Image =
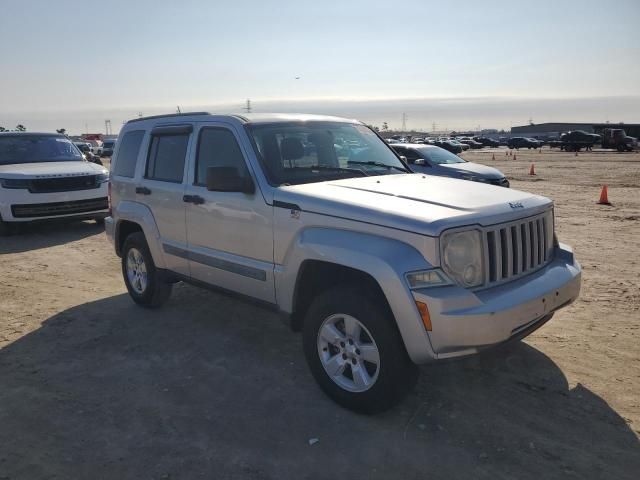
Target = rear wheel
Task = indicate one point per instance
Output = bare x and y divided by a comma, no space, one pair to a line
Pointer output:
140,274
355,352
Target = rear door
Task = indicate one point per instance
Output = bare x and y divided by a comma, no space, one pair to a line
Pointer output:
162,189
230,234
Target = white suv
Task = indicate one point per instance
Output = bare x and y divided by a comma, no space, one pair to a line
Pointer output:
318,218
44,176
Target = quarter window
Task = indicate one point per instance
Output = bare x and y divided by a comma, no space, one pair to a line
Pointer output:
166,157
217,147
125,165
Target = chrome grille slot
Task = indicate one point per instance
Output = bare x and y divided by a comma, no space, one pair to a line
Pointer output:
518,248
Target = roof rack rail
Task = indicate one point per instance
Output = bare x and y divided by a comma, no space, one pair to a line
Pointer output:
167,115
241,117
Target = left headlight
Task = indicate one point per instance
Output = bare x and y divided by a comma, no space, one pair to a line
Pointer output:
462,257
473,178
14,183
102,178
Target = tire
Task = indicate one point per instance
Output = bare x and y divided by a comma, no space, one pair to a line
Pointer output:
147,288
389,380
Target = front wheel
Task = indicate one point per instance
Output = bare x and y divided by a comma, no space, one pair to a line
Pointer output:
355,352
140,274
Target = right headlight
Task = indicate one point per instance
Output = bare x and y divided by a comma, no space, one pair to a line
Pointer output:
462,257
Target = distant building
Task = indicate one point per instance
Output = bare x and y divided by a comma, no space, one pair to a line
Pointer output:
554,130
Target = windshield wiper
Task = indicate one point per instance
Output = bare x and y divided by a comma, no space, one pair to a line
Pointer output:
378,164
334,169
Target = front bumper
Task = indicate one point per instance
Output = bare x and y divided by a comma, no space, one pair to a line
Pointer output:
22,206
464,322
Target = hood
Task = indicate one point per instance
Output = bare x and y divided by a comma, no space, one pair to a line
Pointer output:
474,169
417,203
50,169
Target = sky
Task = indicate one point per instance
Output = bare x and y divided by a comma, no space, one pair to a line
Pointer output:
72,64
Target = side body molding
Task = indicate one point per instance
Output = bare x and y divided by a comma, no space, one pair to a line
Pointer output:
385,259
138,213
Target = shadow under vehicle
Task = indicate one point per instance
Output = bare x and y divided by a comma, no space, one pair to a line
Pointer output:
211,387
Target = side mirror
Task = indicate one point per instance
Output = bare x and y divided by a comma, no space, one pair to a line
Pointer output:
420,161
404,159
228,179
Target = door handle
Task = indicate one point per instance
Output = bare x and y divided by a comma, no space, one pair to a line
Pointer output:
143,190
195,199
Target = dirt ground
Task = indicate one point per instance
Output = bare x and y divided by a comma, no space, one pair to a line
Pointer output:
92,386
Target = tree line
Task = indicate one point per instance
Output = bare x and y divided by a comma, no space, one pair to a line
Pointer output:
19,128
22,128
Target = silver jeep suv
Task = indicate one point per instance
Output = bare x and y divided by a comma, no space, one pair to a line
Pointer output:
380,268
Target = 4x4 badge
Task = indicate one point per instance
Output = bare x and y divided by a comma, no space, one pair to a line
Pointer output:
516,205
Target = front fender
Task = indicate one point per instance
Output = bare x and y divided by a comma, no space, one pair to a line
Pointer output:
141,214
385,259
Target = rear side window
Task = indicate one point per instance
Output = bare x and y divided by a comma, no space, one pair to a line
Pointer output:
217,147
128,154
166,157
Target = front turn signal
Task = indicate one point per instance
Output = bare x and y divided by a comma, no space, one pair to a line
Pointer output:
424,314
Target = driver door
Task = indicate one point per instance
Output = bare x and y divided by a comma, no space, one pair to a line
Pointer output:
229,234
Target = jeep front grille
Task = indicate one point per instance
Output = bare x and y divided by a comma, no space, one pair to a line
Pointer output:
515,249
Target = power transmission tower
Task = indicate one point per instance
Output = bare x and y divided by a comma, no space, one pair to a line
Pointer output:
404,122
107,127
433,127
247,107
178,111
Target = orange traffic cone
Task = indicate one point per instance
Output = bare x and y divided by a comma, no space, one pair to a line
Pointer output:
506,154
532,170
576,153
604,197
510,153
514,156
540,151
493,157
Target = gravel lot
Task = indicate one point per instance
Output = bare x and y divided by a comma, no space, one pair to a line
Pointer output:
92,386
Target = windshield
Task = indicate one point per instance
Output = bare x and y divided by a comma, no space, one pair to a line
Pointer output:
108,144
16,149
295,153
440,156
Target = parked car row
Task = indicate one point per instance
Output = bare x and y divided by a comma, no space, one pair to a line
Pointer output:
523,142
453,144
87,152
